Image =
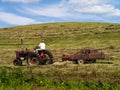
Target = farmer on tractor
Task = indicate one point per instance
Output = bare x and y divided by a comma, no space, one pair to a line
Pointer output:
39,56
40,50
42,45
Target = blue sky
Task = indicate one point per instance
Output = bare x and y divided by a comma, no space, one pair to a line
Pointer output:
25,12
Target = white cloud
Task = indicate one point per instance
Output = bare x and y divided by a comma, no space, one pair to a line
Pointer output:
88,2
15,19
50,11
101,7
117,12
96,9
73,9
78,10
21,1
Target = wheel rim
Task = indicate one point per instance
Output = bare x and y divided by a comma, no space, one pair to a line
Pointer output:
80,62
34,61
15,63
45,59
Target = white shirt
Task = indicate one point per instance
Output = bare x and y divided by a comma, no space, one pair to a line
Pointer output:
42,45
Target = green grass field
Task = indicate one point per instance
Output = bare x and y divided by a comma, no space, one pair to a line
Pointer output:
61,38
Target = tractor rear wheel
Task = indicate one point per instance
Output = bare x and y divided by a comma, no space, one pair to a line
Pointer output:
80,61
17,62
32,61
46,58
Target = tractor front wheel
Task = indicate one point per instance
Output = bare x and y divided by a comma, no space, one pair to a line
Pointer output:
17,62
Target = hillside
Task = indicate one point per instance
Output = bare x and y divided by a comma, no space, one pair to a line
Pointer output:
61,37
66,37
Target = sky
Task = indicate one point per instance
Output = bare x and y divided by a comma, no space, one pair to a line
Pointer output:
26,12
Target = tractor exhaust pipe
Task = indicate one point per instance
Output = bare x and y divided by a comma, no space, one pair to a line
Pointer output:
22,46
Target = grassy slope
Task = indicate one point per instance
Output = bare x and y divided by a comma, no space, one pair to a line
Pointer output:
62,37
67,38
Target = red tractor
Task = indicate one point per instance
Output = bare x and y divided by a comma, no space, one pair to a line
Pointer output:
35,57
84,56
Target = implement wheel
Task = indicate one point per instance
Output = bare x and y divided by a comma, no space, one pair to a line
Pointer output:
80,61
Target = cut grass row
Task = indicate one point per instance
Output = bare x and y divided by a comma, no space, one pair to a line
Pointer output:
61,38
67,43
